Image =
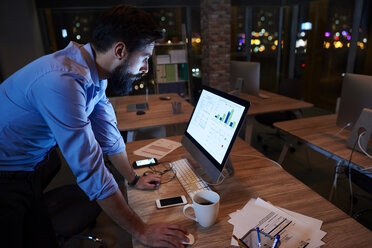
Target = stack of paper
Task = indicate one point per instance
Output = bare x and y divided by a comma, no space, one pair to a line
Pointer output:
295,230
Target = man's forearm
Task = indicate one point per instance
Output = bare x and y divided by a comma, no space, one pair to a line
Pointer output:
117,208
121,163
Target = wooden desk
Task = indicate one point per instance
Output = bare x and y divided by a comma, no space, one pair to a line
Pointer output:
274,103
159,114
254,177
320,131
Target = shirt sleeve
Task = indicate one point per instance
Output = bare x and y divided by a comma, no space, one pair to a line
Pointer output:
61,101
104,123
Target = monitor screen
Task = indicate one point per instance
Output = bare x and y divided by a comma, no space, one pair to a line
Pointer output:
356,94
246,76
213,128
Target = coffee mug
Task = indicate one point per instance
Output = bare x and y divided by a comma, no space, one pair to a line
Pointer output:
206,205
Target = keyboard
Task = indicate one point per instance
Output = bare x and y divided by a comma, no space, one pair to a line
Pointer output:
189,180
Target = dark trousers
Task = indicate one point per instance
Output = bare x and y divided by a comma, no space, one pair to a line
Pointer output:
24,220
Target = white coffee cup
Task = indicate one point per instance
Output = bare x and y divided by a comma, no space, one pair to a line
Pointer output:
206,205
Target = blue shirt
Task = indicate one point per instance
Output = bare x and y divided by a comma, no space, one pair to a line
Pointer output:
59,99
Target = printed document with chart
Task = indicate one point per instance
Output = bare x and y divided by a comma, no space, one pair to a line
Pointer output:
296,230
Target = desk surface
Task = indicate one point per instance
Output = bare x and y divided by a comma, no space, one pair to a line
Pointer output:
254,177
320,131
274,103
159,113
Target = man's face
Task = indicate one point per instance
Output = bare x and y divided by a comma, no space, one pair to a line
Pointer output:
136,64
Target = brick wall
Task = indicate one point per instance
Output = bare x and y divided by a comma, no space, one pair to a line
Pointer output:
215,34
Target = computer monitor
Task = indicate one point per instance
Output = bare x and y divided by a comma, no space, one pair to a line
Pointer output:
356,94
246,73
213,128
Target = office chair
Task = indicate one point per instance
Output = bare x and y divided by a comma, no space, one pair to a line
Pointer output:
290,88
71,212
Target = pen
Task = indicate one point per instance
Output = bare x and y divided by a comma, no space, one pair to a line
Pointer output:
258,236
276,241
240,242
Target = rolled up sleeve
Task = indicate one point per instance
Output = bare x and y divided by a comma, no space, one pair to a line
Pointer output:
104,123
63,108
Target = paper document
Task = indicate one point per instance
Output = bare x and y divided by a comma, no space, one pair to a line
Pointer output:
295,230
158,148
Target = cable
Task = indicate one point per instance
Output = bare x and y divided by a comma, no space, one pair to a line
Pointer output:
360,146
342,129
339,131
249,155
350,184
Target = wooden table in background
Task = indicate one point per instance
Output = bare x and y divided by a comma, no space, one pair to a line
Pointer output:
159,114
320,131
273,103
322,134
254,177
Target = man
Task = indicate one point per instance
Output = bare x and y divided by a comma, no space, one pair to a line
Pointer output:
59,99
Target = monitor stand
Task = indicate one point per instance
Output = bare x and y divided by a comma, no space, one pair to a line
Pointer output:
229,167
363,124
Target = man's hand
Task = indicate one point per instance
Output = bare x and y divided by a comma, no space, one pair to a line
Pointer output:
163,235
150,181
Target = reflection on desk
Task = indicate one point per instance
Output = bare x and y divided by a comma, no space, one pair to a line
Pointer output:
254,177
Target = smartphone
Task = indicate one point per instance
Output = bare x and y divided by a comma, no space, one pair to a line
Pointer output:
171,202
145,163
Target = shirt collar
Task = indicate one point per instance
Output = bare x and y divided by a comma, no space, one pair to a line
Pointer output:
87,53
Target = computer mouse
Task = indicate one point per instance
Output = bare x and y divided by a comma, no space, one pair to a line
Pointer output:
191,239
165,98
140,112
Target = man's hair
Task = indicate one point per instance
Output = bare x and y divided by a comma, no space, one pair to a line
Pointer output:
125,23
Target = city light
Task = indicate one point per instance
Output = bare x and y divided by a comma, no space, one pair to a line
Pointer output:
306,26
78,37
327,44
64,33
301,43
327,34
338,44
360,44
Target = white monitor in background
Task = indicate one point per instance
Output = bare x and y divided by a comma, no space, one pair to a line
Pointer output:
213,128
246,73
356,94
